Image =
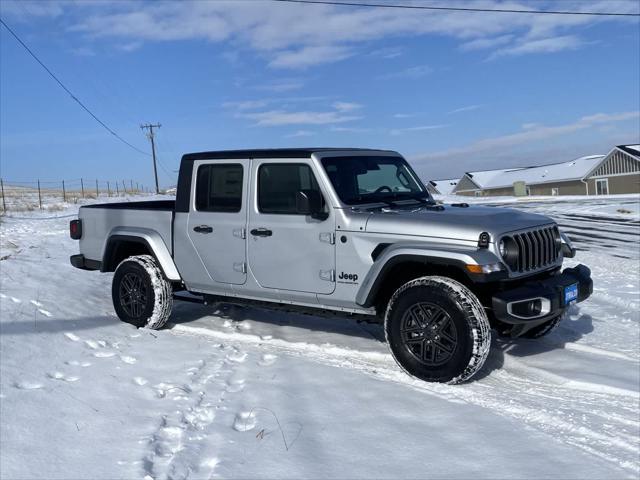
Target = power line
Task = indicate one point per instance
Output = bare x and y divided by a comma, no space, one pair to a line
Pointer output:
458,9
86,109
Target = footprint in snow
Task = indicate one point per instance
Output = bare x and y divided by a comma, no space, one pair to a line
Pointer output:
27,385
104,354
127,359
62,376
72,336
237,357
267,359
235,385
244,421
76,363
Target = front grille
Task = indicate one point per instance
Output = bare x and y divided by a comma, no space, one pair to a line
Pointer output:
537,248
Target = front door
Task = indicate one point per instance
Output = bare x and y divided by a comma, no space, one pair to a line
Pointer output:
218,218
288,250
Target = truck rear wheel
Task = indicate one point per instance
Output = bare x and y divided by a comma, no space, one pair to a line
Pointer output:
437,330
141,295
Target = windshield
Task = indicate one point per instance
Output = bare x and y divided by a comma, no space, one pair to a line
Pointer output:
359,180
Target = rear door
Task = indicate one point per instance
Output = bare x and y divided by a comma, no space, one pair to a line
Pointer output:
218,217
288,250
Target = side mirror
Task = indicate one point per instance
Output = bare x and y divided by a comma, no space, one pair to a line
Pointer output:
309,202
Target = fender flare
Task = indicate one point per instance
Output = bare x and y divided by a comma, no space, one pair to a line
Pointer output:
148,237
433,254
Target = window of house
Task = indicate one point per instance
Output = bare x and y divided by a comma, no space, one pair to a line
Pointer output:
278,184
602,186
219,188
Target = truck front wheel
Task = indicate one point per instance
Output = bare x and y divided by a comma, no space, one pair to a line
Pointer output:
437,330
141,295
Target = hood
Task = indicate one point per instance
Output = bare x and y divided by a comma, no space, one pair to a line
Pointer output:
461,223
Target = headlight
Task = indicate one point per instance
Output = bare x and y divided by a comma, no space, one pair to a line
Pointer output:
509,251
568,251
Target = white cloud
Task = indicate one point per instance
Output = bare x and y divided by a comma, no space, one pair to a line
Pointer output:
308,56
300,36
411,73
300,133
286,85
468,108
544,45
247,104
272,118
419,128
483,43
350,129
346,106
404,115
532,133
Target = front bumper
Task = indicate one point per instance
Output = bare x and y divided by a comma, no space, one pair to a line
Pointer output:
545,297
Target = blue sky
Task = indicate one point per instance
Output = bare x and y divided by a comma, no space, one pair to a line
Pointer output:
452,91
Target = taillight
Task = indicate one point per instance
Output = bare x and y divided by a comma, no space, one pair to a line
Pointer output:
75,229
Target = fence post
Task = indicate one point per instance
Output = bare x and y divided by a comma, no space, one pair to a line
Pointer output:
4,205
64,193
82,187
108,189
97,190
117,190
39,195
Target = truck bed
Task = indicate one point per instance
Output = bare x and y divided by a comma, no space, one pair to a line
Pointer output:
101,221
148,205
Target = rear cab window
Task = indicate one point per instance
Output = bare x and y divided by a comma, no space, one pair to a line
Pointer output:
219,188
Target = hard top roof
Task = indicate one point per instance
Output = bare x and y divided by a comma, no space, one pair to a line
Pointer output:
272,153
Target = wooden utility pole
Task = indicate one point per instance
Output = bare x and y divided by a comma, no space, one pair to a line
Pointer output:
150,127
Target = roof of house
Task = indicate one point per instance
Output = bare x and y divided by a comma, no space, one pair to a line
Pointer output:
557,172
445,187
633,150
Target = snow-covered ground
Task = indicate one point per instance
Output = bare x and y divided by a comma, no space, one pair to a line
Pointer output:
241,392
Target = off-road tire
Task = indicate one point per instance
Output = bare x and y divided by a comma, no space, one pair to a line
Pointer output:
140,276
467,322
544,329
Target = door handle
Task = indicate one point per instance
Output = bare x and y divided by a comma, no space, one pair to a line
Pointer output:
261,232
203,229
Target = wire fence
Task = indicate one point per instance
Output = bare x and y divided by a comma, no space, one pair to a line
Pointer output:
53,195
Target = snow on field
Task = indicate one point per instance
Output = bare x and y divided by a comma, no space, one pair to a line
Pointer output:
239,392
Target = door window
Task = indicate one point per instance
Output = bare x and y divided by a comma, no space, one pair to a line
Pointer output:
219,188
278,184
602,186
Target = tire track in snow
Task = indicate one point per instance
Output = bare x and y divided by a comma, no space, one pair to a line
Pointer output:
574,413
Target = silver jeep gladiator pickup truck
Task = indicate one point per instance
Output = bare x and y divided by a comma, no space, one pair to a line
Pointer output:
350,232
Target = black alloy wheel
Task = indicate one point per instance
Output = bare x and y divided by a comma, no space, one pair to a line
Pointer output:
429,334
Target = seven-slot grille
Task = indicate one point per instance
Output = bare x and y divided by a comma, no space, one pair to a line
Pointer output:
537,248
